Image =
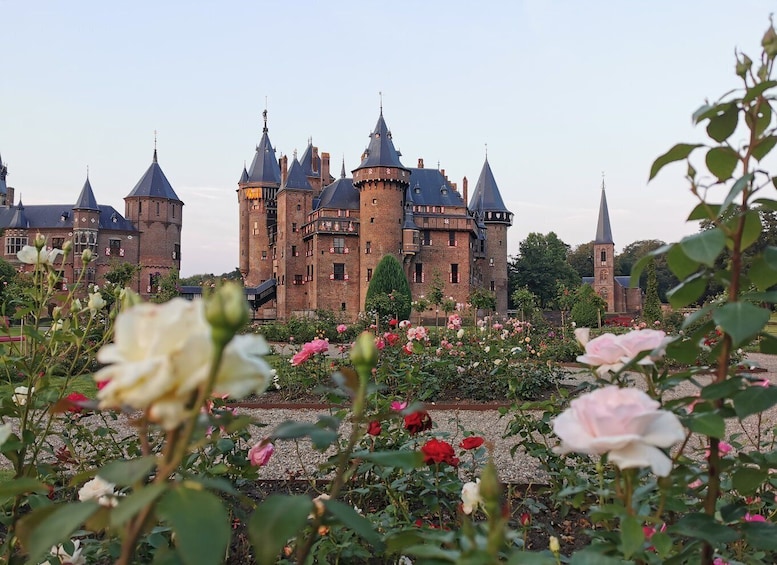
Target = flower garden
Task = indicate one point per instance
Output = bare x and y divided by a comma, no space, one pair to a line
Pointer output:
123,440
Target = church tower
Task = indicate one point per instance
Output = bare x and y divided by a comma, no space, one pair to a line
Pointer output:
256,194
381,180
490,210
154,207
604,256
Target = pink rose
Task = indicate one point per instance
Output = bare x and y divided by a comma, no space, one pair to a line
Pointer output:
622,422
260,454
754,518
310,349
398,406
342,328
604,352
644,340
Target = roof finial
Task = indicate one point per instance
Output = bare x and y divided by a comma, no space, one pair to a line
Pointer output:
486,151
602,180
155,160
380,93
264,115
295,153
87,172
342,170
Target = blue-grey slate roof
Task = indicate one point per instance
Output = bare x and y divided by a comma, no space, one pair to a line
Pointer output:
86,200
430,188
39,216
154,183
623,281
603,230
486,197
381,152
307,162
340,195
3,174
243,176
296,177
265,167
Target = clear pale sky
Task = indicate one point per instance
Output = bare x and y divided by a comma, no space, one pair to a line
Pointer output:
559,91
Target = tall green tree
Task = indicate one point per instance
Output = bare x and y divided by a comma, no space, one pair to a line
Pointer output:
625,261
582,259
389,291
651,311
540,266
589,307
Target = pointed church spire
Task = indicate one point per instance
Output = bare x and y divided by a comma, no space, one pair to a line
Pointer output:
603,230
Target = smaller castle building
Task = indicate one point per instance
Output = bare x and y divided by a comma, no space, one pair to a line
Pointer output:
148,234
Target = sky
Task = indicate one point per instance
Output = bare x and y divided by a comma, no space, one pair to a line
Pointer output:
559,93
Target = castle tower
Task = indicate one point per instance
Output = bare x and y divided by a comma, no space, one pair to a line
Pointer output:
256,194
6,199
86,225
604,256
294,198
490,210
381,180
154,207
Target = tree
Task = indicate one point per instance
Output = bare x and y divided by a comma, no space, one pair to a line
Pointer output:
7,276
389,291
436,295
651,311
524,301
482,299
540,266
625,261
581,258
168,287
589,307
121,274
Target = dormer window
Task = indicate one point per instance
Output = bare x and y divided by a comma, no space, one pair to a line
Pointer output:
65,215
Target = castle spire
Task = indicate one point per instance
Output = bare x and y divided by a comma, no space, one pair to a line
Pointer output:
603,230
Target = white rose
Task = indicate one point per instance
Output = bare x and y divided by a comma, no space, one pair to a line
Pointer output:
30,255
74,558
460,333
98,489
162,353
625,423
21,394
96,302
470,497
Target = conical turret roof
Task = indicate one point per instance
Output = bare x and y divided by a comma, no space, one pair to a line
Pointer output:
603,230
86,200
265,167
310,166
381,152
486,199
296,177
18,220
243,176
154,183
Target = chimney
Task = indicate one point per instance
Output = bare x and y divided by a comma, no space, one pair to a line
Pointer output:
420,163
315,162
442,172
324,169
10,196
283,162
464,190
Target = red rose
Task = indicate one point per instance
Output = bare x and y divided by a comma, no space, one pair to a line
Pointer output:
436,451
393,322
74,400
391,338
374,428
418,422
471,442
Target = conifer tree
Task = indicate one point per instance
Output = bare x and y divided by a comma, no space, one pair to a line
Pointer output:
389,291
651,311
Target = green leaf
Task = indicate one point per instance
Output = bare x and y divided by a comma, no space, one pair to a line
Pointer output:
704,211
705,246
753,400
13,487
764,118
352,520
763,147
746,480
687,292
131,504
126,473
740,184
632,536
707,424
741,320
763,270
757,90
760,535
704,527
769,296
767,203
721,126
55,528
751,230
723,389
319,433
679,263
274,522
721,161
704,111
200,522
676,153
405,460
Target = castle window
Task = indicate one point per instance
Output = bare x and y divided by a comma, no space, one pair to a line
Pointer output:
294,252
418,275
491,262
493,286
604,256
173,210
342,306
372,220
338,271
369,275
57,242
603,275
294,227
256,228
374,201
177,251
368,247
140,208
452,238
426,221
264,254
426,237
454,273
157,208
14,244
114,247
338,245
299,207
298,279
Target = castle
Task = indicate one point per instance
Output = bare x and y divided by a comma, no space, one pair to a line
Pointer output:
147,235
317,239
